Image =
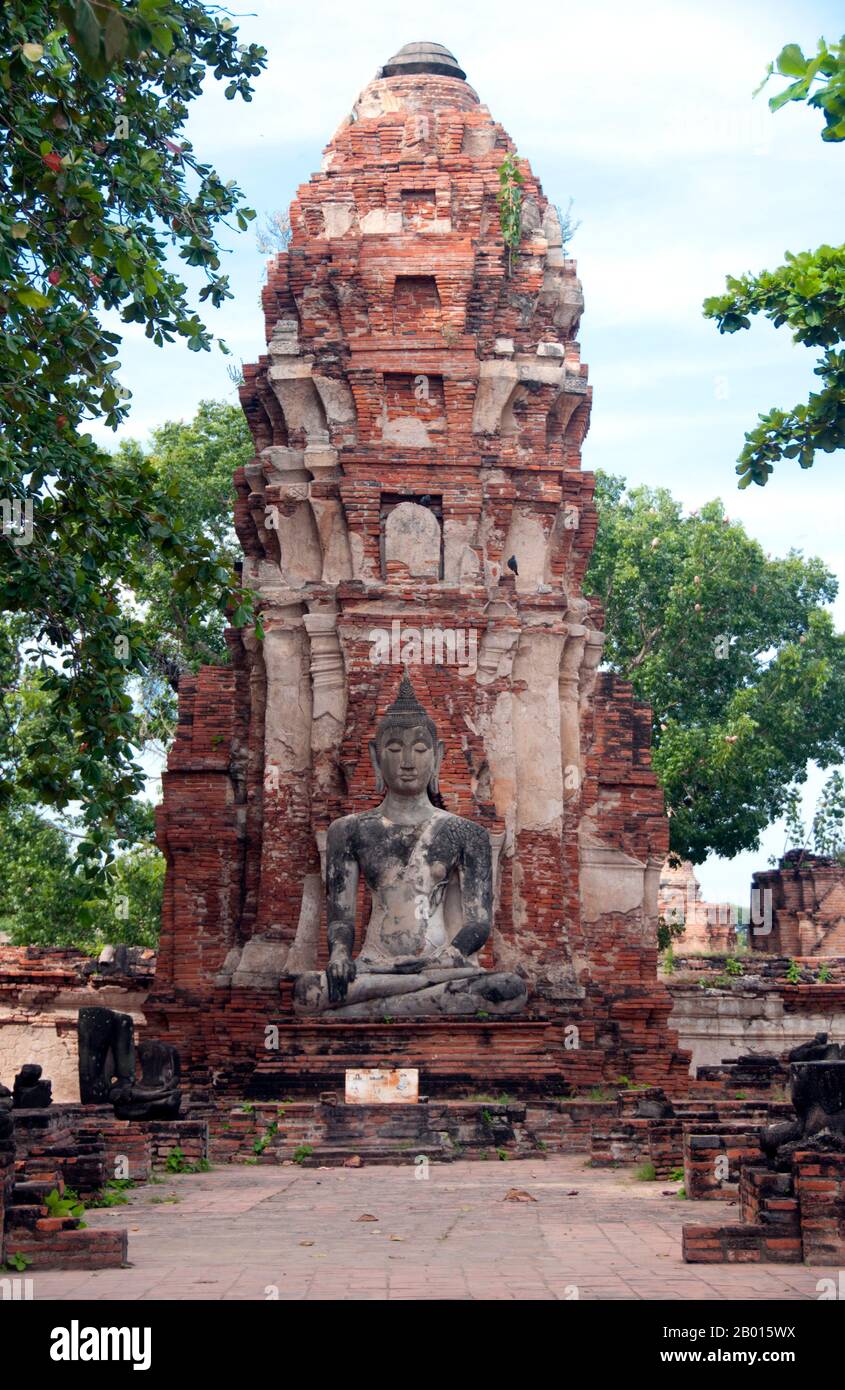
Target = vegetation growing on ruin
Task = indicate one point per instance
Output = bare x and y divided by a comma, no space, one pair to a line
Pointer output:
509,199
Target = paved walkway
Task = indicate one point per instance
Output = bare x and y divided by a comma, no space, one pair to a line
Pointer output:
256,1232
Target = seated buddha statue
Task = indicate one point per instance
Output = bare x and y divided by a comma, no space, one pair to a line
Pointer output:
409,851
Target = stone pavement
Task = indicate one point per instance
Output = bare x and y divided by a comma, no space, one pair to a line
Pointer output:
258,1232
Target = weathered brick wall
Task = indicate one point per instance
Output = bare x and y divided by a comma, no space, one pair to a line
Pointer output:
820,1189
205,836
786,1217
806,898
42,990
713,1158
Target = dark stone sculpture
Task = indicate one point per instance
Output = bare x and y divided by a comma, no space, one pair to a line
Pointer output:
106,1041
818,1050
430,878
156,1096
657,1106
7,1155
817,1092
7,1124
30,1092
107,1072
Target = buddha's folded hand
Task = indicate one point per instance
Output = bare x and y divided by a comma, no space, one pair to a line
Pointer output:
408,965
449,956
340,973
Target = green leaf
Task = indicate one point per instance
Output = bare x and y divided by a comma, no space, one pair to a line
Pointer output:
163,38
87,28
114,36
32,298
791,61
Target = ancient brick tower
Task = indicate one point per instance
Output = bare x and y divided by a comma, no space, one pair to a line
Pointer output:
418,419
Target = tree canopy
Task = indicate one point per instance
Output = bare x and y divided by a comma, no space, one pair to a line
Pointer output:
43,897
735,652
102,195
806,293
198,459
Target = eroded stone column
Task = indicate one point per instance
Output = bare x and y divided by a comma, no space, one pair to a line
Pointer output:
328,684
288,848
590,664
570,710
538,907
536,731
288,513
329,516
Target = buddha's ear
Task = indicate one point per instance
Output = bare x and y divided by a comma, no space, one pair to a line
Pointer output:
434,780
376,768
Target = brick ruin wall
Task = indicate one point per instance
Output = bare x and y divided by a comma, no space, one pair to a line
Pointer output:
807,898
42,990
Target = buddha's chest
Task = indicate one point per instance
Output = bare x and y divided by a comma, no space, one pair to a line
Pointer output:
414,858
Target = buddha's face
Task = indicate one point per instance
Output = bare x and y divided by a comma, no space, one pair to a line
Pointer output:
407,759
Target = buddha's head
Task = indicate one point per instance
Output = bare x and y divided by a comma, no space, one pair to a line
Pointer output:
406,752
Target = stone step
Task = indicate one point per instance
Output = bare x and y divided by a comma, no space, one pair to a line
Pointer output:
334,1155
24,1216
37,1191
70,1249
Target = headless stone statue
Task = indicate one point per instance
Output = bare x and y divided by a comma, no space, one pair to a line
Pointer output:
107,1068
7,1124
817,1092
412,855
30,1090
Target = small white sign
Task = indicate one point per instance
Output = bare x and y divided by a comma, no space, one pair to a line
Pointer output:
379,1086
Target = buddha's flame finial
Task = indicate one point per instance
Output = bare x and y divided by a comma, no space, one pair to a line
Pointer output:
406,710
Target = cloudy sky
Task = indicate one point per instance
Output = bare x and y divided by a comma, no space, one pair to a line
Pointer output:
644,115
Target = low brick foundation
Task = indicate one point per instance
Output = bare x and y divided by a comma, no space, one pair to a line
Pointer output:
566,1126
713,1157
69,1249
90,1146
820,1187
631,1139
737,1244
81,1148
65,1139
55,1150
327,1132
786,1217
